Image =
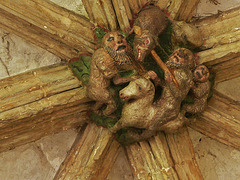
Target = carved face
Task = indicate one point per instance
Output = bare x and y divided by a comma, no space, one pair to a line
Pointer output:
115,41
201,74
116,46
181,57
142,45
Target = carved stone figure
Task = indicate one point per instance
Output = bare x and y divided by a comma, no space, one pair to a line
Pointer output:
200,90
180,65
105,64
139,110
150,23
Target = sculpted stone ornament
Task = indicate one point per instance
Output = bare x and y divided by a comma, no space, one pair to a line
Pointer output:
105,64
150,23
142,114
199,91
139,110
186,34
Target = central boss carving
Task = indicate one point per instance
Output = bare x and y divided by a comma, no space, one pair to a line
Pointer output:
142,115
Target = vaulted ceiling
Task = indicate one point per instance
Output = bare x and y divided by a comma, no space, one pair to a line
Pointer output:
50,99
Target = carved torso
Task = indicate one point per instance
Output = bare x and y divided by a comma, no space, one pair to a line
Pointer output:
151,18
102,69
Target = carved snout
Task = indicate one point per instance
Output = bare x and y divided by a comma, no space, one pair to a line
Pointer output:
123,97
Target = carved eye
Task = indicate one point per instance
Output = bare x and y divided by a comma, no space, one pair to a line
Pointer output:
121,36
147,42
139,87
110,39
199,74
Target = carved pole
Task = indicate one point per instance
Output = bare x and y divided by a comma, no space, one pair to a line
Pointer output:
91,157
220,121
163,66
40,102
183,155
151,159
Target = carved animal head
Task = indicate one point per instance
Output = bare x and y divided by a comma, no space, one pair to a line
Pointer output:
137,89
143,44
201,74
180,58
187,34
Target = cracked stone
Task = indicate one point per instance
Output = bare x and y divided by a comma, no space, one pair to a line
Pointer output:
25,163
18,55
56,147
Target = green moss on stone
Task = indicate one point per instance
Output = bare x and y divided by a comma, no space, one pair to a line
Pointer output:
81,68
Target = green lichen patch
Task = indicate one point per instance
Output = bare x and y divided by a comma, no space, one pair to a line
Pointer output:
81,68
99,33
103,120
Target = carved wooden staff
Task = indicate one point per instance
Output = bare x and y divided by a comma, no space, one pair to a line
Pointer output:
138,31
163,66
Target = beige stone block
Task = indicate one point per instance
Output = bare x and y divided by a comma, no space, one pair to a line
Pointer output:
25,163
216,160
230,88
56,147
18,55
36,161
121,169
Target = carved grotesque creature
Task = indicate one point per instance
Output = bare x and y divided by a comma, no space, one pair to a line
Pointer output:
139,110
151,22
105,63
200,90
181,58
186,34
143,44
180,64
116,46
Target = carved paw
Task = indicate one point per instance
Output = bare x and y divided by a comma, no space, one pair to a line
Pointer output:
112,130
168,77
109,109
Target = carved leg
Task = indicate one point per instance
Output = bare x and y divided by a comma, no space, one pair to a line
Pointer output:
198,106
102,96
116,127
174,125
96,108
134,136
111,107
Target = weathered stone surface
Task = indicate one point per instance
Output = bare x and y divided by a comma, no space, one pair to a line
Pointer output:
56,147
38,160
17,55
224,166
151,159
216,160
230,88
206,8
72,5
121,169
86,160
26,163
221,37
